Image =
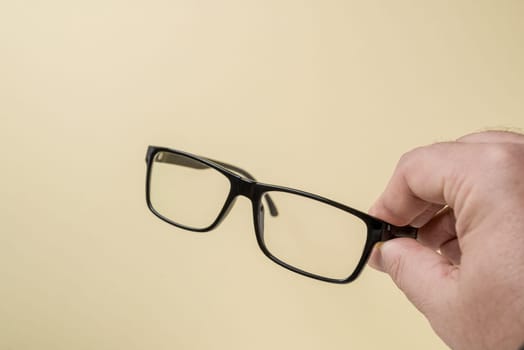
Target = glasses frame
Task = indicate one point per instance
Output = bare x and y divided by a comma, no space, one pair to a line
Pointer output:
243,184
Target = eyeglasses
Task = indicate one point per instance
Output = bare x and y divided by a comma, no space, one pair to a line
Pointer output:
305,233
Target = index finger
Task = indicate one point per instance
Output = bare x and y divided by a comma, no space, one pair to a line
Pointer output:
426,178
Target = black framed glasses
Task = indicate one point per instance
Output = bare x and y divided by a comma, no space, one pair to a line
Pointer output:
303,232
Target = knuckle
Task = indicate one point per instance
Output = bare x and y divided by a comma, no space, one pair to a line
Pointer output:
416,154
504,164
408,156
503,154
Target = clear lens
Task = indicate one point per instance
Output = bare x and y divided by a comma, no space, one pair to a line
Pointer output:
313,236
186,191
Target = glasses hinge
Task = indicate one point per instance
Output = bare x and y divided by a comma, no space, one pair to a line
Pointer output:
391,231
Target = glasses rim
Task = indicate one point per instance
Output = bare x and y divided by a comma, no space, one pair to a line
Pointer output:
243,183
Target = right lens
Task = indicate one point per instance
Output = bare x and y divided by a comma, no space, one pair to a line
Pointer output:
313,236
186,191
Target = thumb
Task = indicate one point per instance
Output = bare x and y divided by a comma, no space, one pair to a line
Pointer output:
426,278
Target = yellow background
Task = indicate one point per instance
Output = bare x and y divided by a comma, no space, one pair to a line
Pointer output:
323,96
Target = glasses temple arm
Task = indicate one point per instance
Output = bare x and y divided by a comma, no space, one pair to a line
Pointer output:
188,162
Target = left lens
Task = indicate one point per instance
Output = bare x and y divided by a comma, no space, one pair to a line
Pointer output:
186,191
313,236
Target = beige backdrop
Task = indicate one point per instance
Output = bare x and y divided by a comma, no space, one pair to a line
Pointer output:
320,95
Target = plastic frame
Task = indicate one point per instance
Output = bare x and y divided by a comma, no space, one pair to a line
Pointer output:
244,184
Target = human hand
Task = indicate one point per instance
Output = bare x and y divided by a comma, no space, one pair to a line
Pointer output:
467,198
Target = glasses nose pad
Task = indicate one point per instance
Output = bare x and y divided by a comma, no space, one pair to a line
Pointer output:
261,212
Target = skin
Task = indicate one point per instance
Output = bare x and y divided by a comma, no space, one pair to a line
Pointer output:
465,272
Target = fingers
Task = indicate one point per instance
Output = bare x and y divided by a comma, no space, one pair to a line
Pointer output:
429,177
439,230
425,180
451,250
438,235
422,274
428,214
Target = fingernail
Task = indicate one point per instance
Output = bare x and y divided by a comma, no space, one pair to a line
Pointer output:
376,261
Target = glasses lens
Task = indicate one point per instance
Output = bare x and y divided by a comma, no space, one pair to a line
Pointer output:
313,236
186,191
